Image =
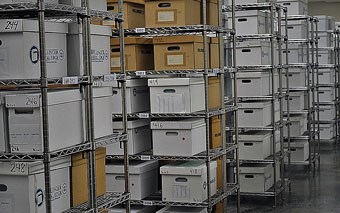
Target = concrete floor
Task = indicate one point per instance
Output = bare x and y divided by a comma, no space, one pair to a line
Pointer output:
316,192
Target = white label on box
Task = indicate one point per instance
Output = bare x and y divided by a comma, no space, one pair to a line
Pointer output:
54,56
167,16
111,77
109,23
140,30
175,60
115,62
147,203
14,168
143,115
153,82
99,56
6,205
140,73
145,157
70,80
11,25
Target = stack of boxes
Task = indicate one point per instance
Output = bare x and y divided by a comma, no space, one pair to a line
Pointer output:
298,69
21,112
255,107
327,87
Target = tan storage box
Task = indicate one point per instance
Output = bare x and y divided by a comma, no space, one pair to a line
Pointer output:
214,54
133,10
138,54
79,176
178,52
214,93
215,132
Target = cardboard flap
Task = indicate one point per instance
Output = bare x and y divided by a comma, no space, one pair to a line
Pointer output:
179,39
190,168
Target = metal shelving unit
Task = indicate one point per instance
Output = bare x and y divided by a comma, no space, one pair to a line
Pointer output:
337,88
64,13
275,37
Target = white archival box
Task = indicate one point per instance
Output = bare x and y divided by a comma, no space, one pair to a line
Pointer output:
134,209
297,78
176,95
100,52
137,96
185,137
299,150
326,23
296,29
295,7
257,113
253,84
25,121
277,142
326,56
327,131
19,50
139,134
253,53
297,126
24,1
102,108
249,22
180,209
326,94
95,5
143,178
327,112
325,39
297,53
296,101
326,76
23,186
256,178
254,145
187,181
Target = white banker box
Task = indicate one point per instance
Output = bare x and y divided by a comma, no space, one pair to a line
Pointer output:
299,150
297,78
249,22
19,49
326,39
326,94
327,112
139,134
254,145
297,126
295,7
327,131
179,209
100,52
143,178
23,186
134,209
22,1
326,76
253,53
296,29
296,101
25,121
95,5
176,95
137,96
297,53
179,137
187,181
253,84
256,177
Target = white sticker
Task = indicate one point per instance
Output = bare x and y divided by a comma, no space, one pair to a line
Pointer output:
115,62
11,25
168,16
109,23
153,82
175,60
140,30
111,77
144,157
6,204
147,203
143,115
70,80
140,73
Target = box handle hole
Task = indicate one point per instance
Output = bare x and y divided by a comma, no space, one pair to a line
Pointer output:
174,48
246,81
120,178
164,5
24,111
242,19
246,50
249,176
248,111
171,133
3,188
181,180
115,50
248,144
169,91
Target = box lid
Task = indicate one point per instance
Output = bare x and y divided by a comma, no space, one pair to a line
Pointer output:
100,92
132,83
295,118
131,40
300,144
135,167
255,168
289,1
178,209
34,100
244,44
76,29
118,125
254,104
297,93
26,25
127,1
178,124
252,74
81,158
190,168
178,39
159,82
30,168
254,135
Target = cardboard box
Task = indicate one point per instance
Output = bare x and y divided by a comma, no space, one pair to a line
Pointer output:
253,84
79,176
25,121
179,52
178,209
134,13
299,150
296,29
100,53
23,186
296,101
139,134
214,53
186,137
180,184
138,96
295,7
253,53
256,178
326,23
297,53
143,178
21,1
326,39
138,54
134,209
176,95
327,112
249,22
257,113
297,78
326,94
95,5
19,53
297,126
254,145
326,76
326,56
215,132
214,93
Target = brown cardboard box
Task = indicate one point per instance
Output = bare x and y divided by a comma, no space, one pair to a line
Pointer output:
214,54
160,13
138,54
215,132
127,1
214,93
179,52
79,176
134,13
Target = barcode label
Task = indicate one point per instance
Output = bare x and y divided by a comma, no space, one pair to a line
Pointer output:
140,73
70,80
143,115
111,77
140,30
147,203
145,157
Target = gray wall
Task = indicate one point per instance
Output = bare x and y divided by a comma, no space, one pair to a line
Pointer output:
325,8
